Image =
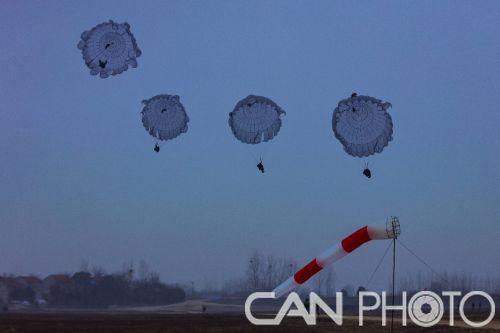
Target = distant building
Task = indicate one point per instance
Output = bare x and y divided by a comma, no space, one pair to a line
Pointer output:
20,286
29,280
52,280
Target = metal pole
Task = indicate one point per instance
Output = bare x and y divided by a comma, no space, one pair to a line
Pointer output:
393,280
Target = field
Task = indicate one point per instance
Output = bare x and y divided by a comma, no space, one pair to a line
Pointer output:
184,323
187,317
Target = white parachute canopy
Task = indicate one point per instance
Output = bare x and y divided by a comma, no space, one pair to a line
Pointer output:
363,125
164,117
255,119
109,48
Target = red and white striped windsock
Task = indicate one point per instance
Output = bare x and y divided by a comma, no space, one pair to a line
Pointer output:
350,243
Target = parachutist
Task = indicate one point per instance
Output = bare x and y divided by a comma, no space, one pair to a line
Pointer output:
367,173
254,120
260,166
154,122
363,126
112,41
352,96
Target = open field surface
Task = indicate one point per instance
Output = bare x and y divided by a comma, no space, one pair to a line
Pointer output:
186,317
87,322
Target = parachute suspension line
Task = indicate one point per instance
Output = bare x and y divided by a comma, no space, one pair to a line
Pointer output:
256,160
264,150
378,266
160,143
368,163
262,153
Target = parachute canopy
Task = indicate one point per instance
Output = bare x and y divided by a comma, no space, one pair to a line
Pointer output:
164,117
363,125
109,48
255,119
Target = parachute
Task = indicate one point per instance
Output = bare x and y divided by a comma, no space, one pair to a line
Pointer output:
391,230
109,48
164,117
362,125
255,119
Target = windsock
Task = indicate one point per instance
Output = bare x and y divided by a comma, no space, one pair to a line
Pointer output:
391,230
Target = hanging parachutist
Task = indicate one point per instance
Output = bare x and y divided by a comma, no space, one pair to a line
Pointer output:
260,166
367,172
156,148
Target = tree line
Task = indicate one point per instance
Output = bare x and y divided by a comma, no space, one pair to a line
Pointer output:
91,289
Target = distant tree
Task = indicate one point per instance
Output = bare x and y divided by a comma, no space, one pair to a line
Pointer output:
82,278
23,294
235,287
128,270
85,266
111,290
348,290
143,270
319,283
270,272
156,293
360,289
98,272
255,271
330,281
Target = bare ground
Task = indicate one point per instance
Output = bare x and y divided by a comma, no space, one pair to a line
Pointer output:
187,317
185,323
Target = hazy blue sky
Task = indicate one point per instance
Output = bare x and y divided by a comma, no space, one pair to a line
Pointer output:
79,180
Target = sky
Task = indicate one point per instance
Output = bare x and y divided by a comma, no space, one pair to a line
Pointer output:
79,180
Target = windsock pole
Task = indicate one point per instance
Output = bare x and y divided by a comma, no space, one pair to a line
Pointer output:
393,277
391,230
